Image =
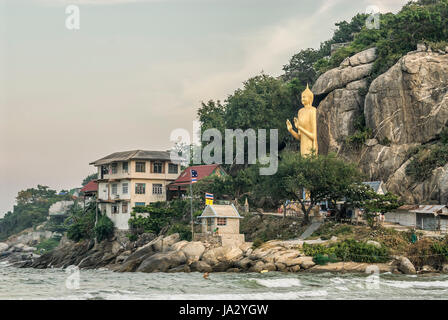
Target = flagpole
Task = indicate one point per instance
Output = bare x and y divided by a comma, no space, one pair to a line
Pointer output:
191,205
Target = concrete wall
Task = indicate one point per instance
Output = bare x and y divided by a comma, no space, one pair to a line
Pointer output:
232,226
444,224
120,219
403,218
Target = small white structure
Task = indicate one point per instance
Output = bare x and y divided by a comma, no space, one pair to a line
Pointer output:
222,221
425,217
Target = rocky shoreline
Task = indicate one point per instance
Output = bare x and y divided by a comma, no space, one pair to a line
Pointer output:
170,254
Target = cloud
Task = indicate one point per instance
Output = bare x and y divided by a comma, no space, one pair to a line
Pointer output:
267,50
92,2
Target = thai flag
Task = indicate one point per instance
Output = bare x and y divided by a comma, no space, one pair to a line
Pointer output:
194,176
209,196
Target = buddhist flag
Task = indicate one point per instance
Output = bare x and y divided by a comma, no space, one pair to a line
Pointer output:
194,176
209,199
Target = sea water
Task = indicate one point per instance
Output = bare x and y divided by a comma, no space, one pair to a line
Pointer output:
18,283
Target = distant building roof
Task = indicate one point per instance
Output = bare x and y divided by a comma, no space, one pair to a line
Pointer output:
377,186
220,211
408,207
432,209
185,177
92,186
134,155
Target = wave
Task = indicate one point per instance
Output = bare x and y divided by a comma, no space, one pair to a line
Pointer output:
278,283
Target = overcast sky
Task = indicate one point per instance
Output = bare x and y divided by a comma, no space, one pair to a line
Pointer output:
136,70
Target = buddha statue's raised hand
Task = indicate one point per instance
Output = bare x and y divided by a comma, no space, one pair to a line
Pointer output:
288,125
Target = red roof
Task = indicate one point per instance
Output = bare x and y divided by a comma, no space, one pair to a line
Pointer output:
92,186
203,171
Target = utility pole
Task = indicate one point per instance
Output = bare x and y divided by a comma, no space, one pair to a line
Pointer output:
194,178
191,210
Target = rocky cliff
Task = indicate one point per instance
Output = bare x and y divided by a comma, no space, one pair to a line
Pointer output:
405,107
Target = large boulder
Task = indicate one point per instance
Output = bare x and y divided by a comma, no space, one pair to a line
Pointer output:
181,268
339,77
131,265
149,248
307,262
243,263
257,267
406,266
162,261
374,243
200,266
179,245
193,251
445,268
233,254
166,242
220,254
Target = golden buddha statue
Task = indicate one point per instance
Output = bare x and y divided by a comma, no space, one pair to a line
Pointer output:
306,125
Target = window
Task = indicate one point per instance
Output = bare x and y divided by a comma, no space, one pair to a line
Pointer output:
103,208
140,167
222,221
104,170
114,208
125,188
124,207
139,204
157,188
114,188
114,168
125,166
140,188
172,168
157,167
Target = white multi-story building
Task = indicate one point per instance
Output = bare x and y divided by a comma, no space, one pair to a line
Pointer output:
133,178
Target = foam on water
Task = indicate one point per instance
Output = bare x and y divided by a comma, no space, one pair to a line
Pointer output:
279,283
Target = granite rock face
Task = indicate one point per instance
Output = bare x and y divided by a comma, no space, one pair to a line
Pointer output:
351,69
405,107
342,105
409,103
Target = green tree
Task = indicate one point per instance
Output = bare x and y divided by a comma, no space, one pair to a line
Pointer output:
325,177
359,195
31,209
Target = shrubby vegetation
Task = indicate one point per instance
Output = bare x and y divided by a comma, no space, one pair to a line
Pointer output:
47,245
429,252
165,218
347,250
80,224
104,229
426,158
